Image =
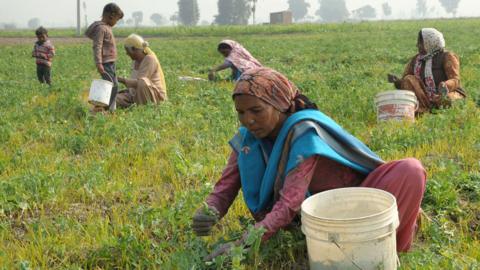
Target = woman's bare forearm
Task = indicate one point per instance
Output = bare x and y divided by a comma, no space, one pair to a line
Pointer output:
220,67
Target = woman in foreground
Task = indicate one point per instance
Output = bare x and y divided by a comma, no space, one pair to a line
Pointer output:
286,150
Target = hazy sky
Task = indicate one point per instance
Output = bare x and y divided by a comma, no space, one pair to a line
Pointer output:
59,13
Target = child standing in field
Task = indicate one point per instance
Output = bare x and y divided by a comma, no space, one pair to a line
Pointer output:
43,52
104,48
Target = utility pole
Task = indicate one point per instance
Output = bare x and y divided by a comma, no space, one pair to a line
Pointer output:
85,12
254,7
78,18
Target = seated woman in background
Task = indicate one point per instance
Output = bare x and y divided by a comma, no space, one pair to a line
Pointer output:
237,58
147,82
433,74
286,149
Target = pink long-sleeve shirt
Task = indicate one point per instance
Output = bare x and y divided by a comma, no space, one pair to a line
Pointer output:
296,184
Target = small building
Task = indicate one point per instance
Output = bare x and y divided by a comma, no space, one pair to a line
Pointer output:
283,17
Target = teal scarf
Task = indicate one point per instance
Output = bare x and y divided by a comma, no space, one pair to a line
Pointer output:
313,134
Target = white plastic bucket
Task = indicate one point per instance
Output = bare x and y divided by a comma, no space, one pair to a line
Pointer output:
396,105
100,92
351,228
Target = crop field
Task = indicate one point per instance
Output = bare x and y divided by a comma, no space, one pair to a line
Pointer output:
118,191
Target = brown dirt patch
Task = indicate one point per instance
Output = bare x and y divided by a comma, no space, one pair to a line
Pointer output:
55,40
31,40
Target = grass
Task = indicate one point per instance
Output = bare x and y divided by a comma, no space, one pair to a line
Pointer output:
119,191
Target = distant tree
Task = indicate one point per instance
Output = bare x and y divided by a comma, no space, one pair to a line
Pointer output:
233,12
365,12
158,19
9,26
387,9
137,17
310,18
33,23
225,12
450,6
188,12
204,22
299,8
129,22
422,8
174,18
333,10
242,11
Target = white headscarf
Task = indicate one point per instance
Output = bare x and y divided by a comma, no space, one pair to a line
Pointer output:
433,40
434,43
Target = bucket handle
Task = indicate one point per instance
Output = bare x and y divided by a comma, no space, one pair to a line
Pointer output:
346,256
111,79
334,241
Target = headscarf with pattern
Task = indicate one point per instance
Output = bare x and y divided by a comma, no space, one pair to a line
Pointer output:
271,87
434,44
240,57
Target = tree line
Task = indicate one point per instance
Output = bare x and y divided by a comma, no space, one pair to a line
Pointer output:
239,12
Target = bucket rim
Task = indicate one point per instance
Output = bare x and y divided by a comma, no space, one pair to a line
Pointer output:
398,91
351,227
103,81
380,213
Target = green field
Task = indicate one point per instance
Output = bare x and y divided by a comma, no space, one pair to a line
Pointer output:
118,191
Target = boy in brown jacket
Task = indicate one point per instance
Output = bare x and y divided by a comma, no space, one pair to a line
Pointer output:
104,48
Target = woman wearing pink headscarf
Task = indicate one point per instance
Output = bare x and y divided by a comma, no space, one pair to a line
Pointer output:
237,58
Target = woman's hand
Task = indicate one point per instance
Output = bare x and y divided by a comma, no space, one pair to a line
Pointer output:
204,220
249,239
225,248
129,83
221,250
392,78
443,89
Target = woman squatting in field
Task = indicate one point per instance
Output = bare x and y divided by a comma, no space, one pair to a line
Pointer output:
433,74
147,82
287,149
237,58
